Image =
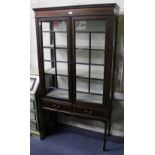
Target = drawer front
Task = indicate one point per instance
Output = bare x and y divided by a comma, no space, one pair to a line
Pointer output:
91,112
56,106
32,106
32,115
33,126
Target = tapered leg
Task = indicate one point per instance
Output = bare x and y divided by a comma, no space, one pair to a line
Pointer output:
105,137
109,127
109,124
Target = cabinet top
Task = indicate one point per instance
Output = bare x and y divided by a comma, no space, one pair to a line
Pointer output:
108,8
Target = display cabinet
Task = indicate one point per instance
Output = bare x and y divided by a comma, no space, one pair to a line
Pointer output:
76,56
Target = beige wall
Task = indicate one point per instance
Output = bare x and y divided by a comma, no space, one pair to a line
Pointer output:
118,106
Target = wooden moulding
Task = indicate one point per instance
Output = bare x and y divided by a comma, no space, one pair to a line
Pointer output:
83,10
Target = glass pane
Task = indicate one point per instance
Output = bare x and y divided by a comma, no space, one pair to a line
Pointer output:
82,56
82,70
55,59
90,51
62,68
59,26
81,85
82,40
63,82
90,25
45,26
96,86
54,26
97,57
61,40
61,54
89,98
97,72
98,41
47,54
46,39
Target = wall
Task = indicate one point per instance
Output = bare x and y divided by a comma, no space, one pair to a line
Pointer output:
118,106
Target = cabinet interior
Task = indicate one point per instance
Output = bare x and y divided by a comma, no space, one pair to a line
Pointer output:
89,49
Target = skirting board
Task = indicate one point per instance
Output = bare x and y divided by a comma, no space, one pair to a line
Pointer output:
95,129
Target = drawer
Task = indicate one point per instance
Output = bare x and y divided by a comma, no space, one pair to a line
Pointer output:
32,105
91,112
56,106
32,115
33,125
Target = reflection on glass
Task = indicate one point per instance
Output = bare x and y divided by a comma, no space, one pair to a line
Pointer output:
54,26
90,25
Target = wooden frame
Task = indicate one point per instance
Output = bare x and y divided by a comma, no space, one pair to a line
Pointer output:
70,14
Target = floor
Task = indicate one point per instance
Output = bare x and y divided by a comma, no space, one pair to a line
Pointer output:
67,140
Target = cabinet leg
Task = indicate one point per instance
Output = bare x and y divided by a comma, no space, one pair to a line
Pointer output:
105,137
109,125
109,128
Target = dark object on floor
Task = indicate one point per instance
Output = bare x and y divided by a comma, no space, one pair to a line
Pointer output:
67,140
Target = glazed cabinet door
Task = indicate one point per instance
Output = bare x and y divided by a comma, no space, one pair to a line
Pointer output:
55,58
89,59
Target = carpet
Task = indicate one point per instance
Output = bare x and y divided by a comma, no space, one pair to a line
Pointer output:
67,140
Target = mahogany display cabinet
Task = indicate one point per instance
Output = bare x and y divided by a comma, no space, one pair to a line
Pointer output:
76,57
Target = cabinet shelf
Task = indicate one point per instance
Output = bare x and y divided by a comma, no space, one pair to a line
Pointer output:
76,31
56,47
54,31
95,74
90,31
81,47
84,97
94,47
78,91
80,63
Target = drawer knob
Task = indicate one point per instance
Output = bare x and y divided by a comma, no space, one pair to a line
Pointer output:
85,111
58,106
54,105
90,112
